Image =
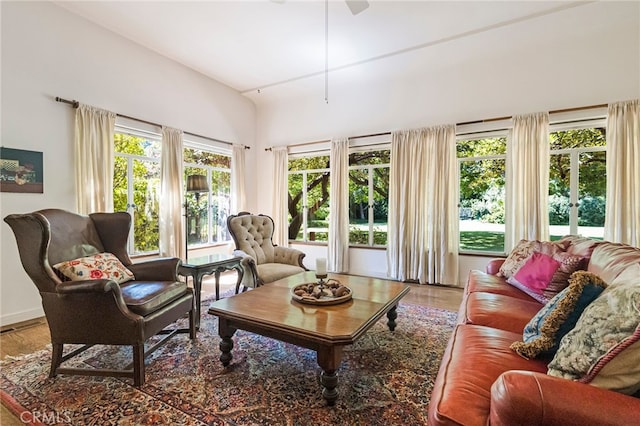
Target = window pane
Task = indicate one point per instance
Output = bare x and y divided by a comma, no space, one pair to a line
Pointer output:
221,204
309,163
146,196
482,205
294,206
359,206
559,195
380,204
578,138
318,206
370,157
120,185
197,211
127,144
481,147
206,158
592,194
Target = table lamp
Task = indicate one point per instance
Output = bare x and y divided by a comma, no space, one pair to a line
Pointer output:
196,184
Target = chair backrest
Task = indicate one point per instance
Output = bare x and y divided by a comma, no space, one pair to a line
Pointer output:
252,234
47,237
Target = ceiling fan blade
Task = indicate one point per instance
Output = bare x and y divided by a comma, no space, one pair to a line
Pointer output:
357,6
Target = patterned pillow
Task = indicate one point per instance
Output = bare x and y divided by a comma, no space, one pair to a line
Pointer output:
521,253
604,347
543,276
569,263
544,331
99,266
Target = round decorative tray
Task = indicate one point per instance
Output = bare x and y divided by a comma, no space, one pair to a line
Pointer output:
329,292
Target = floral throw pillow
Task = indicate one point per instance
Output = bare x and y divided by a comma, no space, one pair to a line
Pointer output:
99,266
543,333
521,253
604,347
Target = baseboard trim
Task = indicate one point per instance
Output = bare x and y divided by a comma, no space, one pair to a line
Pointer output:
16,317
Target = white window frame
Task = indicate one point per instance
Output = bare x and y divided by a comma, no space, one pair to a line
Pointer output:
370,194
120,129
574,162
475,136
305,208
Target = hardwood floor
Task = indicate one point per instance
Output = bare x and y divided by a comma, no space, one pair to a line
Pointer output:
30,336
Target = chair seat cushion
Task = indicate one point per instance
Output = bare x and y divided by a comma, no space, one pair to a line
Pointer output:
270,272
146,297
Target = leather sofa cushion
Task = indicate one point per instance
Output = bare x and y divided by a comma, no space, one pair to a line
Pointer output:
610,259
145,297
482,282
270,272
475,357
499,311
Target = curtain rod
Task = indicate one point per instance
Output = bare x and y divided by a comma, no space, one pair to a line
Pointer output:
76,104
486,120
329,140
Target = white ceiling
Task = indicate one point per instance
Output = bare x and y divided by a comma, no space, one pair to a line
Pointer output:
279,45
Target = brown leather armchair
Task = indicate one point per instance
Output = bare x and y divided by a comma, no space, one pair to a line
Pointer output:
262,261
99,311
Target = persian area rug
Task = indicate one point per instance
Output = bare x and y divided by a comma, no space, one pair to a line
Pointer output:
385,378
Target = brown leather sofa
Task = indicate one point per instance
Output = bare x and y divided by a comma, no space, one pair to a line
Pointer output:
482,381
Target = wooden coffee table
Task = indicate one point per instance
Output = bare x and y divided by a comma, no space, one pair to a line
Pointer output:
270,311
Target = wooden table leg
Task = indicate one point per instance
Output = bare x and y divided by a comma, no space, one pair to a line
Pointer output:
217,275
197,289
226,332
391,316
329,359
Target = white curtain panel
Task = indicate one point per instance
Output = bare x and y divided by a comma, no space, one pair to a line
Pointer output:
171,233
238,167
423,213
527,186
338,249
94,159
622,220
280,195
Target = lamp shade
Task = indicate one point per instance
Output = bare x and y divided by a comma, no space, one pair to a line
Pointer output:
197,183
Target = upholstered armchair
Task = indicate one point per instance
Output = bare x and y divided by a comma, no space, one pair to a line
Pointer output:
95,294
262,261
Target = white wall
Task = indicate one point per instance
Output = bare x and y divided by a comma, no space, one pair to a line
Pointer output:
562,66
48,52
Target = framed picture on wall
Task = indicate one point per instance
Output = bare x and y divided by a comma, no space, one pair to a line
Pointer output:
21,171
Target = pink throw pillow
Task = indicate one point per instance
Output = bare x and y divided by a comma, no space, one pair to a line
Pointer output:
537,272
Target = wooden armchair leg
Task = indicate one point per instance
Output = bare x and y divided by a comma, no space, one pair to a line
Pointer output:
56,358
138,364
192,324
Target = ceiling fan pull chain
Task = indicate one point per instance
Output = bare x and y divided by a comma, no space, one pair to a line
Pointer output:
326,51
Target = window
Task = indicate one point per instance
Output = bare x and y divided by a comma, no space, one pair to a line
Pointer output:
482,193
577,182
308,202
136,188
208,212
368,197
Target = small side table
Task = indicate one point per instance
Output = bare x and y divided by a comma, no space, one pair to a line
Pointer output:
198,267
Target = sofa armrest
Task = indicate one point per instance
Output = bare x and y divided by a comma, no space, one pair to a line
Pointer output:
163,269
493,267
247,260
289,256
528,398
88,286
